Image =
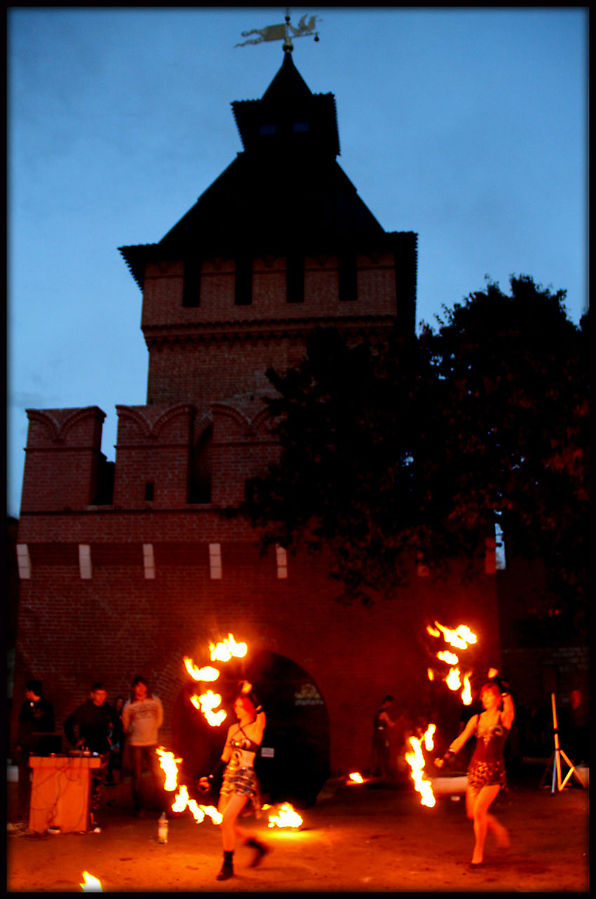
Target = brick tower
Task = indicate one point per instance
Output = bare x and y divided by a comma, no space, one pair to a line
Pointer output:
128,567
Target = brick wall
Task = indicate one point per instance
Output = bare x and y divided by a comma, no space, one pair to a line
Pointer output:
119,622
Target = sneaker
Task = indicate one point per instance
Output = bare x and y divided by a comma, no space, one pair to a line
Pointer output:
16,826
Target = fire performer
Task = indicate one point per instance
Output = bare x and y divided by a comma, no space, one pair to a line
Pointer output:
486,771
240,782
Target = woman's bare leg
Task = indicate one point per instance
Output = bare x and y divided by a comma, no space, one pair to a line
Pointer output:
229,828
484,798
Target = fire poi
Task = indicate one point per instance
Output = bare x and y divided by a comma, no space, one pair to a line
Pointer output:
416,762
459,638
207,703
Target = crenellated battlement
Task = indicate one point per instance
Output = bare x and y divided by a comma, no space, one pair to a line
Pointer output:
167,456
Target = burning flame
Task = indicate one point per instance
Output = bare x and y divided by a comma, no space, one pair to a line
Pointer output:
207,703
200,812
170,766
466,693
90,883
453,679
286,817
203,674
182,799
428,737
415,760
355,778
224,651
461,637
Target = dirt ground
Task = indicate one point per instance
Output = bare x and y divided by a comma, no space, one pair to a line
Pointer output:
355,839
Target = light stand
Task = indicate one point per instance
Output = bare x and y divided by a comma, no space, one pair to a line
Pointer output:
555,759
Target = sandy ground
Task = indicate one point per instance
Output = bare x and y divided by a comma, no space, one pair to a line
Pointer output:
355,839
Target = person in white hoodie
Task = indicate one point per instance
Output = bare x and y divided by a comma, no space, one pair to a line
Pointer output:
142,716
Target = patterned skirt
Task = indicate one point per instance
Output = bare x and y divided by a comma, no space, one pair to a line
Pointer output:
241,780
486,774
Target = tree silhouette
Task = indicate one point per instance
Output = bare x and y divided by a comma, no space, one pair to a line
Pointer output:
414,449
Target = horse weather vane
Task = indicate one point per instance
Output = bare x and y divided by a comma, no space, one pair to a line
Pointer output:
283,32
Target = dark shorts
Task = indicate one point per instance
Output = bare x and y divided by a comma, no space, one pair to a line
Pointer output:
486,774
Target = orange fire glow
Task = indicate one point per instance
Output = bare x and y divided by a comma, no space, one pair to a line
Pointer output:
415,760
355,778
285,817
466,693
169,765
453,679
428,737
460,637
182,799
207,703
90,883
200,674
223,651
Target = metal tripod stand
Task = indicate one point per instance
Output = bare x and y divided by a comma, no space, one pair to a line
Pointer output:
555,759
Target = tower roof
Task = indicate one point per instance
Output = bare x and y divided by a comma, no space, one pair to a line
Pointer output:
288,118
285,190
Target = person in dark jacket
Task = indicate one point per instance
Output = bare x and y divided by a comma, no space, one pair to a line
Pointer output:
88,728
36,719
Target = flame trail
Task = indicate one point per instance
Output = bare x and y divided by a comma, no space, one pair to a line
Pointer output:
466,693
415,760
169,765
223,651
459,637
207,703
201,674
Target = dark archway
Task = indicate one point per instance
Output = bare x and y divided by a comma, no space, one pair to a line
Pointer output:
293,763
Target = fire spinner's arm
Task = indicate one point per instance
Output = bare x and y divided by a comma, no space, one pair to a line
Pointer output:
261,719
459,741
508,713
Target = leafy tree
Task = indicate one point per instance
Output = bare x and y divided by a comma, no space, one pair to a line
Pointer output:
516,411
416,448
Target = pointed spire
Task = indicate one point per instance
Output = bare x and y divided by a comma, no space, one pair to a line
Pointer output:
288,83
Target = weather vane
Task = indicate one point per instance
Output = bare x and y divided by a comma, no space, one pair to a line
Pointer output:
284,32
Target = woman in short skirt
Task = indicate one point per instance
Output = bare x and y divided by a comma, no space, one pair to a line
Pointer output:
486,771
240,785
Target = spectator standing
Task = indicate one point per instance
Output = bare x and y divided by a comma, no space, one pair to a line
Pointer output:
88,729
36,718
381,755
142,716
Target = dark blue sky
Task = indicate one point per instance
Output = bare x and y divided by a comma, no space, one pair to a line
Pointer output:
468,126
